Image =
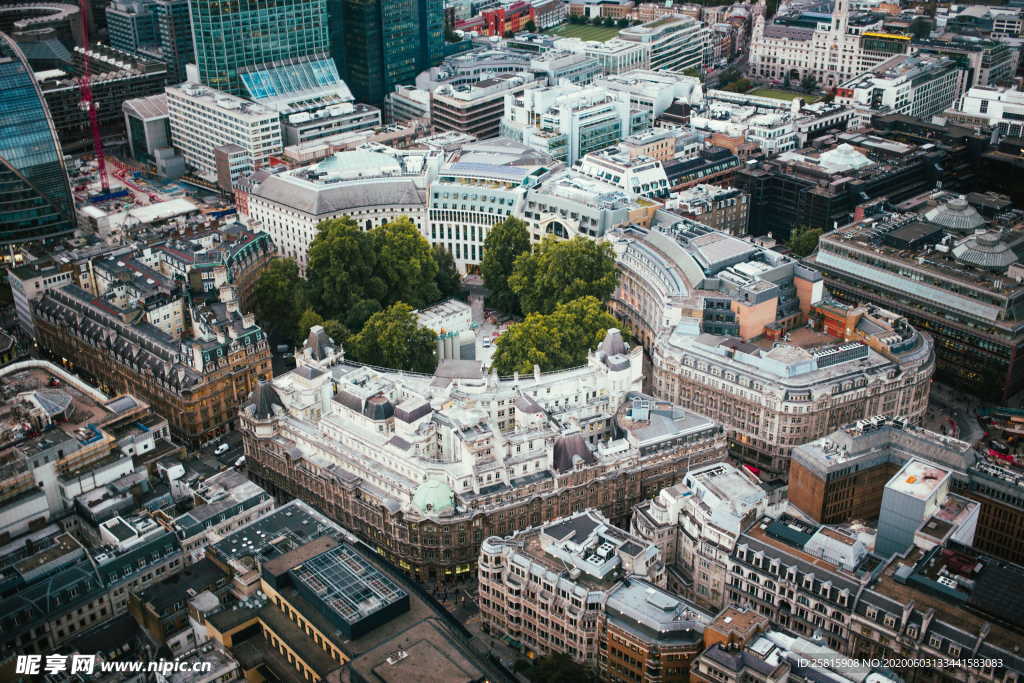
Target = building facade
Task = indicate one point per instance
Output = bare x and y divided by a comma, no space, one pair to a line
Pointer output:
610,612
722,208
36,192
426,486
203,119
679,43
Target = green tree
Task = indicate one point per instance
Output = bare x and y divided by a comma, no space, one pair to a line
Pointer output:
531,26
809,83
786,82
342,268
274,297
609,21
308,319
557,271
596,21
623,22
405,263
337,331
392,338
554,341
728,76
509,34
803,240
360,312
448,281
451,36
505,241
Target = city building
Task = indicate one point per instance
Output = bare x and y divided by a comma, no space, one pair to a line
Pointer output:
148,124
992,22
308,601
569,204
36,195
655,91
378,44
160,29
373,185
724,321
821,186
732,120
988,62
829,47
994,108
917,85
116,76
476,108
722,208
842,477
943,601
568,121
948,271
743,647
231,41
579,586
511,18
613,56
220,504
195,376
64,438
637,176
406,103
57,589
679,43
485,183
505,455
203,119
696,522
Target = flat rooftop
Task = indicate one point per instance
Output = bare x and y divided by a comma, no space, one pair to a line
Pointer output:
918,479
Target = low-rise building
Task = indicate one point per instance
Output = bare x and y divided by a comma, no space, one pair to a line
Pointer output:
567,121
613,56
997,108
475,108
679,43
949,271
722,208
203,119
917,85
579,586
373,185
492,456
989,62
638,176
696,522
655,91
841,477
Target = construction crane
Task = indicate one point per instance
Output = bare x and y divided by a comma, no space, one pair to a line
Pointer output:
87,103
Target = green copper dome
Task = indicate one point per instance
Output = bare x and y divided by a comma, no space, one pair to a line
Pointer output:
434,498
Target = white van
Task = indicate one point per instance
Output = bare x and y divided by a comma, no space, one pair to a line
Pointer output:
221,449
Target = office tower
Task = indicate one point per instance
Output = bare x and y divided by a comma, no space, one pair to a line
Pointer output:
35,197
233,39
153,28
386,43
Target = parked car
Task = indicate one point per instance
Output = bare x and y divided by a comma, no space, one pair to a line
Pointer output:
221,449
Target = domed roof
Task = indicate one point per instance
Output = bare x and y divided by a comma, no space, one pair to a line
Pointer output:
434,497
956,214
985,249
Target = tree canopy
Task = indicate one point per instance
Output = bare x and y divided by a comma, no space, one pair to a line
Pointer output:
505,241
392,338
553,341
308,319
803,240
275,297
809,83
353,273
557,271
448,281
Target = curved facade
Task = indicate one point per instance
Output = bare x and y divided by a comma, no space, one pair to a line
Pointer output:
424,468
746,336
35,196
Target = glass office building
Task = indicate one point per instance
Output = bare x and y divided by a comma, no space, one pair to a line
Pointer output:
35,197
232,37
386,43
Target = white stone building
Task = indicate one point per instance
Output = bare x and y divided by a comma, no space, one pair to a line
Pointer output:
678,42
373,185
203,119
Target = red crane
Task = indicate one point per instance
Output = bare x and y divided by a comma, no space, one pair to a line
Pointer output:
85,85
